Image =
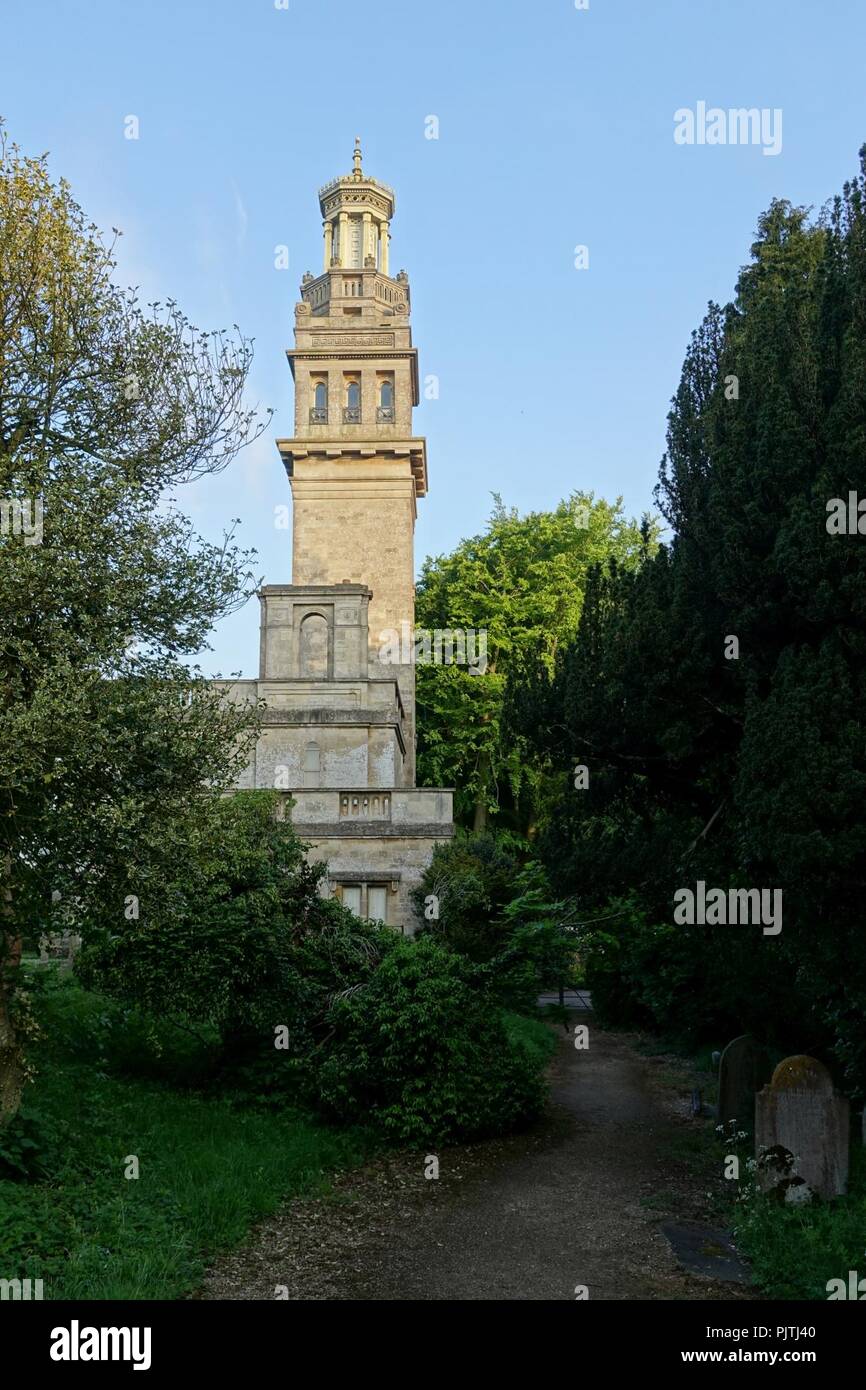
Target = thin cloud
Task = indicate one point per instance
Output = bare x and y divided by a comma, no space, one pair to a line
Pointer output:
242,218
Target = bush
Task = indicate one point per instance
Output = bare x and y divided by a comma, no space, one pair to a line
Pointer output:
295,998
473,877
241,943
423,1051
27,1145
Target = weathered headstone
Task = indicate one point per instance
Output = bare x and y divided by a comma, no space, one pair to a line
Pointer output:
744,1067
802,1132
59,946
70,945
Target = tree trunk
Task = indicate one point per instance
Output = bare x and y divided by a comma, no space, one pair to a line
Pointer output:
11,1056
479,824
11,1060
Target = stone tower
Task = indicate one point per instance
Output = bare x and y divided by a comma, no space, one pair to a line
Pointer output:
356,470
339,724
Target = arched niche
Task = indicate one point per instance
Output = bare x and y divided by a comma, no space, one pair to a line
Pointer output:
313,649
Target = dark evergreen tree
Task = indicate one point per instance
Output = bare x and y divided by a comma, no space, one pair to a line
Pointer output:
749,770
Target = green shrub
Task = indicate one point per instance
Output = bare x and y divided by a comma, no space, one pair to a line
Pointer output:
473,877
241,943
27,1144
423,1051
498,910
530,1036
294,999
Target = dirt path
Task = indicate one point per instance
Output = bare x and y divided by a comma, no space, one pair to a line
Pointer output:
525,1218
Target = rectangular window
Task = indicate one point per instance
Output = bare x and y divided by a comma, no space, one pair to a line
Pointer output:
352,897
377,903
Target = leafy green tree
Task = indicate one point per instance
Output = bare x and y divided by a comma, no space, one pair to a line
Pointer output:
521,582
105,589
495,907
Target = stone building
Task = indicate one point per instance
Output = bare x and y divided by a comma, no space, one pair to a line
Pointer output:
339,730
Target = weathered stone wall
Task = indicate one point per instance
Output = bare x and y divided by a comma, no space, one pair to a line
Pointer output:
399,862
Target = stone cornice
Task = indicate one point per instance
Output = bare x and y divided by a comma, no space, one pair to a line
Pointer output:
328,715
365,875
319,354
415,449
297,591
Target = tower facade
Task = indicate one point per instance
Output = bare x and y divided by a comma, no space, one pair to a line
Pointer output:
355,467
335,671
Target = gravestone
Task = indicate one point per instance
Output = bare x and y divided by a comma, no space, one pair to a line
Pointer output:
744,1067
59,946
801,1132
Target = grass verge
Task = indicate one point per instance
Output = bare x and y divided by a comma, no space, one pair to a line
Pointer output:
208,1167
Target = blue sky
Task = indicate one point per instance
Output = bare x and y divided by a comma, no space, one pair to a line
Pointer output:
555,130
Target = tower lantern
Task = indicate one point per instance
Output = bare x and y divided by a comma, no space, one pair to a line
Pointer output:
356,212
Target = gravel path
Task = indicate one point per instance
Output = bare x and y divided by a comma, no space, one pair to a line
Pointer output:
525,1218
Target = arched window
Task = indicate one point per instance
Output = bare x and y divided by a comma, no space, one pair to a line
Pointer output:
319,411
385,409
352,410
